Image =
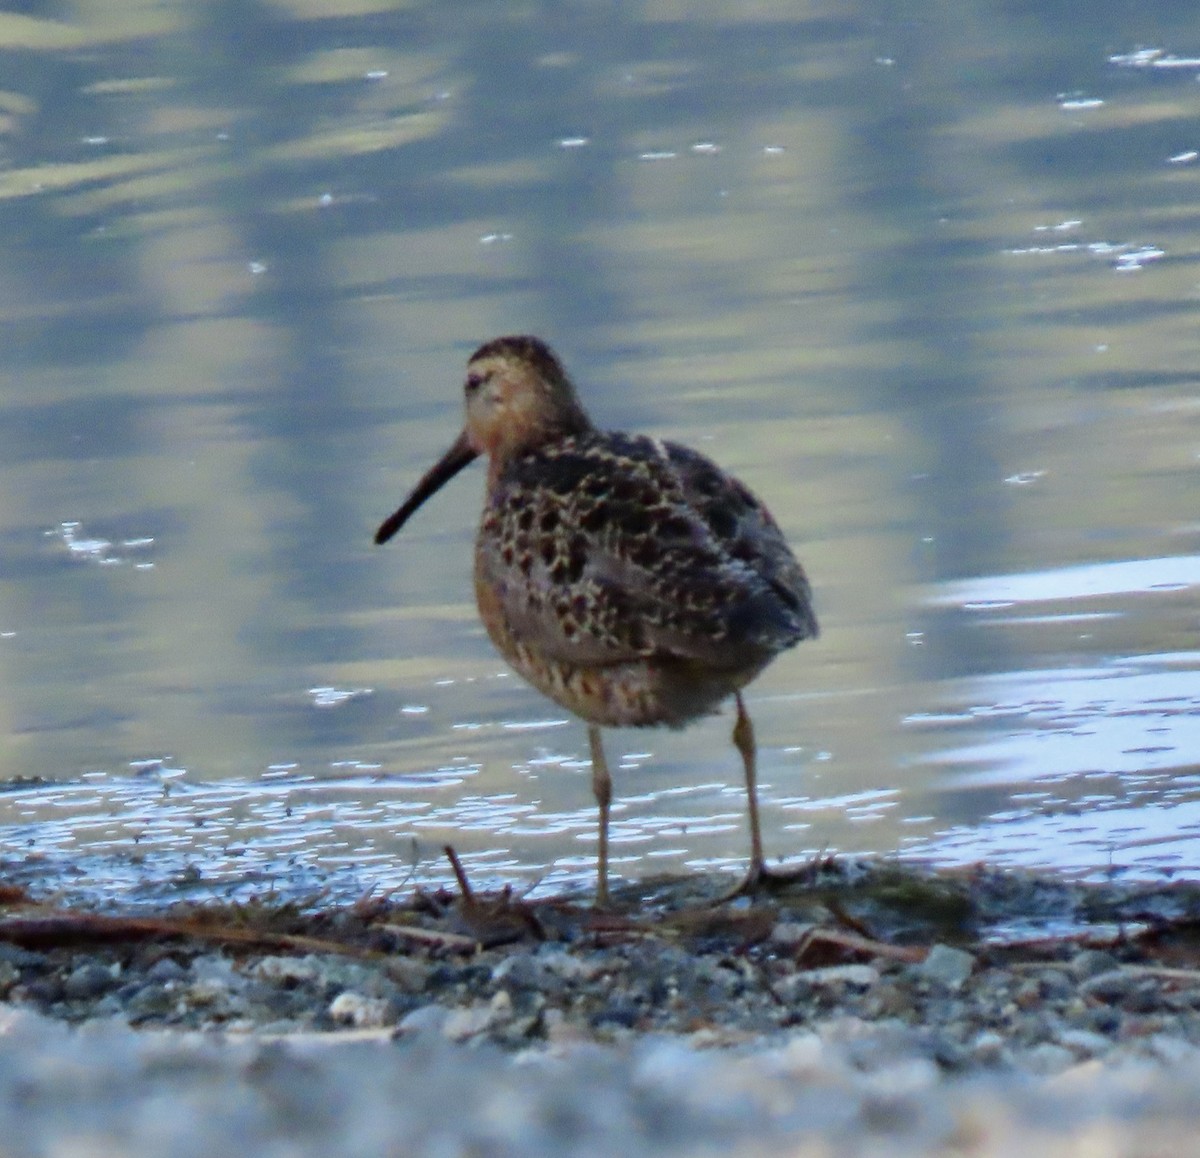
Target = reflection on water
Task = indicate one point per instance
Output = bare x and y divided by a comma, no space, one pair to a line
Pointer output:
929,287
1127,577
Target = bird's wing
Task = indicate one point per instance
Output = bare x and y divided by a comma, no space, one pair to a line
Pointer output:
606,548
745,530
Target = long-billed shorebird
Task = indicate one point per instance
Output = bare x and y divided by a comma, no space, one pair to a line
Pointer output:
631,580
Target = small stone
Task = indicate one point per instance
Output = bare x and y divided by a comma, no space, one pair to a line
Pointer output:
1091,963
39,991
22,958
1171,1051
887,1000
989,1048
1055,985
519,970
837,976
88,982
830,980
791,934
1077,1009
947,966
559,1030
1046,1058
215,968
152,1001
1144,997
571,968
208,991
1028,995
286,970
898,1080
463,1024
429,1018
724,975
619,1014
1099,1019
105,1008
165,969
349,1008
517,1031
1110,987
1083,1043
950,1054
408,973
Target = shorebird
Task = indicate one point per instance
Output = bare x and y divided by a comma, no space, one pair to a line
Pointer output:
629,579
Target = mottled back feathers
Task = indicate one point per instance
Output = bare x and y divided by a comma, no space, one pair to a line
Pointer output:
604,548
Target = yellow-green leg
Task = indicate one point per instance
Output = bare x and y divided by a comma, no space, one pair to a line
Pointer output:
743,739
602,787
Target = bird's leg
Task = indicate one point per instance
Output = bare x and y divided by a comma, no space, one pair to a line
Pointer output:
602,787
743,739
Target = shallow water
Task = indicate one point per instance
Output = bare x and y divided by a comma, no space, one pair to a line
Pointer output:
931,290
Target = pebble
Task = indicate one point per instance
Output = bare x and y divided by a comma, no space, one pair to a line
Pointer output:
22,958
990,1049
471,1021
1047,1058
837,976
165,969
791,934
1112,986
831,979
947,966
9,976
112,1090
424,1019
521,970
1092,962
1083,1043
89,980
288,970
761,1039
350,1008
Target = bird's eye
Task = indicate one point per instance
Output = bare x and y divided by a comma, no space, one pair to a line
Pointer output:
474,381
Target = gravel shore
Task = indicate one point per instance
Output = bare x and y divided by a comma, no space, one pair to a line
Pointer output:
859,1009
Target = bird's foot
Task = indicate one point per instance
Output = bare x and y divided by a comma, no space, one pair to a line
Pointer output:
761,880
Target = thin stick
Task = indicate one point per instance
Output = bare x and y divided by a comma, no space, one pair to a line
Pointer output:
459,874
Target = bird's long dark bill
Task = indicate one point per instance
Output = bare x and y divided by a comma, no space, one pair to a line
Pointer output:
437,476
